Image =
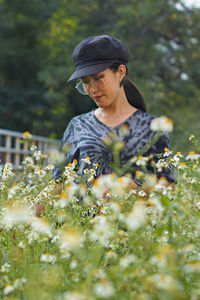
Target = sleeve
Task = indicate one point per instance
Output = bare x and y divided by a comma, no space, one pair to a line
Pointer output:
67,139
157,150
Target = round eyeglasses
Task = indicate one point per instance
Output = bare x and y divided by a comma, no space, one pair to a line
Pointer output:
98,81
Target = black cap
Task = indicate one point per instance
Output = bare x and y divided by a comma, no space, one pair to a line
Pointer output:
96,53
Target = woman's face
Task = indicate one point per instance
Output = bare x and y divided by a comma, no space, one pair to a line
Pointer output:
104,87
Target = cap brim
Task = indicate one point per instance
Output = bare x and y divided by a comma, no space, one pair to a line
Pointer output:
89,70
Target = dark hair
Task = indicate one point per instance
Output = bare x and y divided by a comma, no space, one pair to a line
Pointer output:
134,96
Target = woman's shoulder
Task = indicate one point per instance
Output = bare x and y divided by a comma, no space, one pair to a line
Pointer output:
145,116
82,117
76,125
141,120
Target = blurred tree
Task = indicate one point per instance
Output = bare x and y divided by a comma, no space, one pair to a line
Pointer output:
163,36
21,94
164,43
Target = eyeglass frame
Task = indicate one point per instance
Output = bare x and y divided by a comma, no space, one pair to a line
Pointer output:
97,80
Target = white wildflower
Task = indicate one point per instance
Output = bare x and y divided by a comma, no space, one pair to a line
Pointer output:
182,166
12,192
15,216
8,289
198,204
37,154
19,282
70,239
192,156
33,236
141,161
7,172
33,148
159,260
104,288
5,268
70,172
127,260
28,161
101,230
175,161
115,207
112,183
167,152
39,172
154,204
162,124
161,164
73,264
191,180
56,157
184,76
136,218
86,160
74,296
41,226
164,281
89,174
99,274
49,167
192,266
142,193
48,258
192,137
21,245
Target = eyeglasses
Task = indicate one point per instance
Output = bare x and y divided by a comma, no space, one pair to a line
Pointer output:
98,81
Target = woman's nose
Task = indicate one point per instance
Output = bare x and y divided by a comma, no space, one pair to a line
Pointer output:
93,87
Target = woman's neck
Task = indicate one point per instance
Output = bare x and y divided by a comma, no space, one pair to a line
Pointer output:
116,113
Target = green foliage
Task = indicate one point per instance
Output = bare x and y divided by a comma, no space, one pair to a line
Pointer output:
103,240
37,39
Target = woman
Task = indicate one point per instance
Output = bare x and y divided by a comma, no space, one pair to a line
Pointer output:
101,65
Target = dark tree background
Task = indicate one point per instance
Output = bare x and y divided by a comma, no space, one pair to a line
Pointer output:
37,39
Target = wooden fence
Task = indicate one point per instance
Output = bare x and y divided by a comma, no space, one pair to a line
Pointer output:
14,147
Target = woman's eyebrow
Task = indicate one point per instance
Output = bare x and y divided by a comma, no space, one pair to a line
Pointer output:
88,77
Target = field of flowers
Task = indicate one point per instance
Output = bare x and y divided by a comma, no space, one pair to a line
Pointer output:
100,238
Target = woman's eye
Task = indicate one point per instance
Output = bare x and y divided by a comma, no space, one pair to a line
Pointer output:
85,82
98,78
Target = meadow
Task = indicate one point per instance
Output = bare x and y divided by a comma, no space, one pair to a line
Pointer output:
100,238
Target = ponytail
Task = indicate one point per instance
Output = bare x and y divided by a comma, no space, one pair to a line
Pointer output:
133,94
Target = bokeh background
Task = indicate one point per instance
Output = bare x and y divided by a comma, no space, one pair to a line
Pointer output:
37,38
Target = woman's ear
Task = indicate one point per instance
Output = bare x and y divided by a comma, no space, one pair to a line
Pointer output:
122,70
122,74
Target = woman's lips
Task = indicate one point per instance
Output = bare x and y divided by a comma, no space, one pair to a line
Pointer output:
96,98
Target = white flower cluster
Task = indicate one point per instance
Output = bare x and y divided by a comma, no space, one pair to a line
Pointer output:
7,172
14,216
70,173
5,268
90,173
39,172
37,154
102,230
113,184
28,161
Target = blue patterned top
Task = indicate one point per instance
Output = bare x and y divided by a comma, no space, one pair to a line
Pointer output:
85,134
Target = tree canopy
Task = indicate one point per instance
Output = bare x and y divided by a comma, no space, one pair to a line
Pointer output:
37,39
